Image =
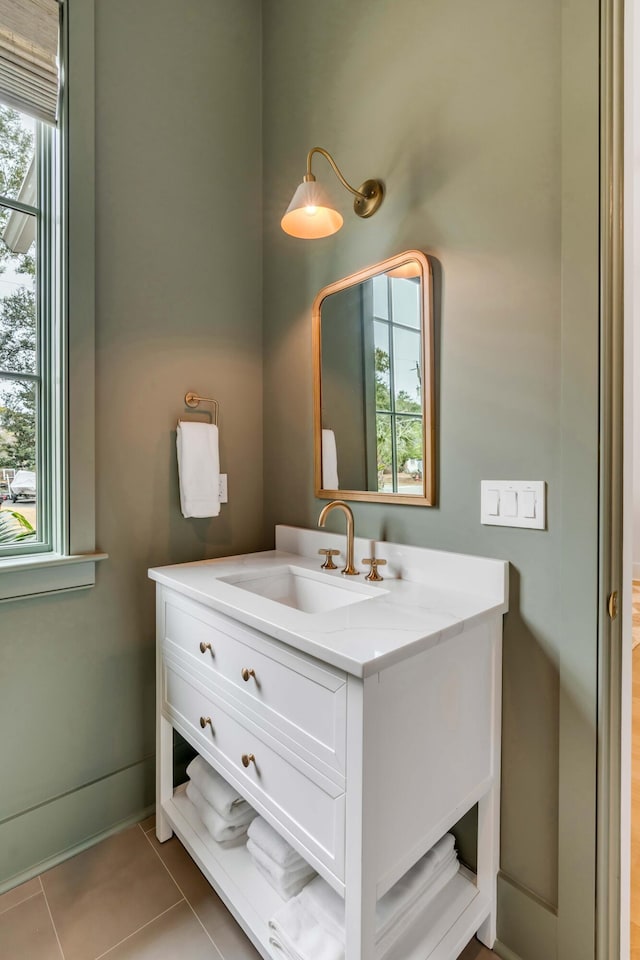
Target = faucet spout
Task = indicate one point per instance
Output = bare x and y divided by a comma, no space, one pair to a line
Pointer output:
349,570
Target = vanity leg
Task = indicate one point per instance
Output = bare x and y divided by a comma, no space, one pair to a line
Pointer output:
360,861
164,777
488,859
164,734
489,807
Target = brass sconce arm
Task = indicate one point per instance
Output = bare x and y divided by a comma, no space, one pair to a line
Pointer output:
369,194
334,166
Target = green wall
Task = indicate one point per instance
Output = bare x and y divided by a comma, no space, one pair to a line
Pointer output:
178,308
482,120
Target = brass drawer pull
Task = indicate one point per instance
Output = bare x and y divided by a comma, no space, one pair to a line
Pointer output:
247,673
204,721
205,646
247,758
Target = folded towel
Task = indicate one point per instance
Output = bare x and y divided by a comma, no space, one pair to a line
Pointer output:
394,912
219,828
329,461
312,926
328,907
198,468
223,798
296,934
288,881
270,841
284,890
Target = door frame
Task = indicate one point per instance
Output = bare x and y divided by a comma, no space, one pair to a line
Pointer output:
614,642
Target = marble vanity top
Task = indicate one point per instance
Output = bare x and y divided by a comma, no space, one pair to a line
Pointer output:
427,597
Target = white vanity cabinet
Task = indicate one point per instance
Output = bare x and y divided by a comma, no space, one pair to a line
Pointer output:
362,774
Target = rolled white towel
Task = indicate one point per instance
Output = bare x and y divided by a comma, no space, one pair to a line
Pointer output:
288,881
275,846
223,798
219,828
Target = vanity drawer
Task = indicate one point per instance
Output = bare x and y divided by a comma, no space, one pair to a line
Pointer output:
301,698
308,807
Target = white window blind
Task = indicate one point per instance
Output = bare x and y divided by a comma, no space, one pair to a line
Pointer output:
29,31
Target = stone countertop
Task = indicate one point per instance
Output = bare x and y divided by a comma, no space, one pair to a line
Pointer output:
426,598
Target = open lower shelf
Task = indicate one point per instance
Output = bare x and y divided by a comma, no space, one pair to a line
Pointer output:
439,933
229,870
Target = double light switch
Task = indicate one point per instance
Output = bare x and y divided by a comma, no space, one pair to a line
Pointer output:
513,503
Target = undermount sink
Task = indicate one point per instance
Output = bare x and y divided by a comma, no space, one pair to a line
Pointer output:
302,589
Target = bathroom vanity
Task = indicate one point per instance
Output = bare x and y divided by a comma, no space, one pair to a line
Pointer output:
362,720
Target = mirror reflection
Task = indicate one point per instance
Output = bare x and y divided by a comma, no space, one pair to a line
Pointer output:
374,383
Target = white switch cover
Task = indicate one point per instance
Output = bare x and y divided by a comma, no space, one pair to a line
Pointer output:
528,504
222,488
493,502
520,503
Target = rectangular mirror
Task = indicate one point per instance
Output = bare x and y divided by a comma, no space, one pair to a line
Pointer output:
373,384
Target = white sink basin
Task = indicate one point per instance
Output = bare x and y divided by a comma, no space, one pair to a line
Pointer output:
305,590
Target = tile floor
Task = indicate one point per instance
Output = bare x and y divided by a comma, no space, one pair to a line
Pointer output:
127,898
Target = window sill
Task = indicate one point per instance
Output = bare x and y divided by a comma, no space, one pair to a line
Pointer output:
44,573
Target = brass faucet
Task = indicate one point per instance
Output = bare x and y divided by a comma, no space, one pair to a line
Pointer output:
349,570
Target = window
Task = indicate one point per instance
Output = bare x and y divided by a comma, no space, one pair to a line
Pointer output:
47,538
29,332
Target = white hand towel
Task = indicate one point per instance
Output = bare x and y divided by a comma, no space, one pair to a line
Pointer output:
288,881
275,846
295,932
216,791
219,828
329,461
198,468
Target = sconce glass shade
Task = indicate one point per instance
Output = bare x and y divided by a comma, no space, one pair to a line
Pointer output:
311,215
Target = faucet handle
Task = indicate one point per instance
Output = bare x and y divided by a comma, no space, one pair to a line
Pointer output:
328,555
374,564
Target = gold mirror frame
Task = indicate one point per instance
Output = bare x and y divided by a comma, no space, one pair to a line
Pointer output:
428,405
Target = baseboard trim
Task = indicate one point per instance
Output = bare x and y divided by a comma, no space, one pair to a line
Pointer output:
48,834
636,571
69,852
527,926
504,952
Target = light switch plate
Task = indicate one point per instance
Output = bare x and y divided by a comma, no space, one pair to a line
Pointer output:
517,501
222,488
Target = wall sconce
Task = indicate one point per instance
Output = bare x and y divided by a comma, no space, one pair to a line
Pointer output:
311,214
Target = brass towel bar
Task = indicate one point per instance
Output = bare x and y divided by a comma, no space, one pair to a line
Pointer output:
192,399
